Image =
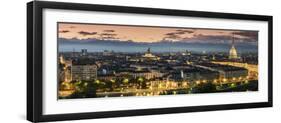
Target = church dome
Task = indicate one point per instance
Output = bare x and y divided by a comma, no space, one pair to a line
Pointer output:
233,53
148,54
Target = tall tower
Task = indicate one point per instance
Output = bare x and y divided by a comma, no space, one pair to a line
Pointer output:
232,51
84,52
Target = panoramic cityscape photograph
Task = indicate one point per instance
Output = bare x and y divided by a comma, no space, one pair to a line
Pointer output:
109,60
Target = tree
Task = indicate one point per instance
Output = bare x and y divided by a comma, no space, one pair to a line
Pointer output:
205,88
125,81
84,90
91,90
109,84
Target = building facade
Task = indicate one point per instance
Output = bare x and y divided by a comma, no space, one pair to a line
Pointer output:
84,72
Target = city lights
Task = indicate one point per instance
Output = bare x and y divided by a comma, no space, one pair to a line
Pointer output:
172,61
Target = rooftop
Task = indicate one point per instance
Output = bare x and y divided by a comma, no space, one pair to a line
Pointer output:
83,61
222,67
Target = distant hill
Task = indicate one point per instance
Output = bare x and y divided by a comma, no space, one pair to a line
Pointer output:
97,45
129,42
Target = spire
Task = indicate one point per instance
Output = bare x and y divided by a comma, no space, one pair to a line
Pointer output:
232,44
232,51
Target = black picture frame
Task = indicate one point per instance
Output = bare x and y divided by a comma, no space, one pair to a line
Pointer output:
35,69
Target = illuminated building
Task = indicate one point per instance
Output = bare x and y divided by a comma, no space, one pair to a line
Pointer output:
146,74
83,70
232,51
65,70
226,71
194,74
106,77
149,56
107,53
252,68
84,52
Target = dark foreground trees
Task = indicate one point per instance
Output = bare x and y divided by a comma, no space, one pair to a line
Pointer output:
84,90
204,88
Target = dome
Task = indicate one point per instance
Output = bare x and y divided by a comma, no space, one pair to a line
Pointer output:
148,54
233,53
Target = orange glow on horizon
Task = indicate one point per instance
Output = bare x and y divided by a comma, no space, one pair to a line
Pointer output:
135,33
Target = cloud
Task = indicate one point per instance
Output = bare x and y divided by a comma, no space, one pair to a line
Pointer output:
221,36
170,33
178,34
171,36
108,36
250,35
183,31
110,30
212,37
238,37
84,33
64,31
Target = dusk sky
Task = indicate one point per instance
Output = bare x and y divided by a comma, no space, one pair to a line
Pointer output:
150,34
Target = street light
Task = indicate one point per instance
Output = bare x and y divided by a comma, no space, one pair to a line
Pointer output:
215,81
204,81
125,81
112,80
97,81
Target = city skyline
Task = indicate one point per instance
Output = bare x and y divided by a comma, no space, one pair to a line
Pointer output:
100,61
